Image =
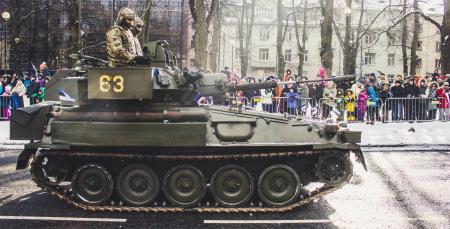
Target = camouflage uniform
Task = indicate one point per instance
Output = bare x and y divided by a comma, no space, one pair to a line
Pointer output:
136,31
120,41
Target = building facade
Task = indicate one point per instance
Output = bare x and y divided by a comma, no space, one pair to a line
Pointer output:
380,53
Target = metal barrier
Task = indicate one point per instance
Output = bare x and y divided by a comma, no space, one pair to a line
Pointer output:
416,109
8,104
350,109
282,105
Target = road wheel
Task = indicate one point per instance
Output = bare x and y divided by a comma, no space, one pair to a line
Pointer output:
92,184
231,185
334,169
278,185
137,185
184,185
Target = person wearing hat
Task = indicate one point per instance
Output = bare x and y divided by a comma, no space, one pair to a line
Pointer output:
120,40
398,93
422,107
411,92
442,94
433,100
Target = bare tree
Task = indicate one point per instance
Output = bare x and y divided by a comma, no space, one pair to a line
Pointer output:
414,40
280,40
404,40
326,34
202,16
147,14
246,21
215,43
301,47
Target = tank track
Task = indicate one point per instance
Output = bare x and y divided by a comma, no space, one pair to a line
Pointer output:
65,194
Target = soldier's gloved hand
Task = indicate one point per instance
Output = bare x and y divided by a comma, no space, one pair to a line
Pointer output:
141,60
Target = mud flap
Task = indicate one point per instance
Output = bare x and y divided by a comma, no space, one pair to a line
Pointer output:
23,161
360,158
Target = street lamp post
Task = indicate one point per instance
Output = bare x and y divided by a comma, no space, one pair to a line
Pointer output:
6,16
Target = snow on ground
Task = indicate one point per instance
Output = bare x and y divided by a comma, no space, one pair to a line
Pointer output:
381,134
389,134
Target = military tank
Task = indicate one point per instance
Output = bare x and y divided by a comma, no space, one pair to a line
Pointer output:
134,139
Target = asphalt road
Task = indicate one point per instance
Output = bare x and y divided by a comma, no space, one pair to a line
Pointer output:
400,190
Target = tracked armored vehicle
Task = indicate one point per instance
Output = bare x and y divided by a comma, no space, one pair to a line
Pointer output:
136,140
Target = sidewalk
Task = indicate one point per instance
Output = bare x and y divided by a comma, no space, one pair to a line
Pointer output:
378,135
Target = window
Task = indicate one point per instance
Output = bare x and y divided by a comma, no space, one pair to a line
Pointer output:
369,58
391,59
264,34
305,56
437,64
438,46
392,40
418,63
237,53
288,55
289,36
419,45
369,18
370,37
264,54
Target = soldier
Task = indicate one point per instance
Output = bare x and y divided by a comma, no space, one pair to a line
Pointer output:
136,31
120,40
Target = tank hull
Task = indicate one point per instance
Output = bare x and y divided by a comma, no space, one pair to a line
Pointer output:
257,145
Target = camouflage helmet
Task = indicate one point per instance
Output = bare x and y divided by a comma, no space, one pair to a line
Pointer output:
138,24
125,13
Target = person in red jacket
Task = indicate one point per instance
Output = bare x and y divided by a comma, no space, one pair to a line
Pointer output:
442,94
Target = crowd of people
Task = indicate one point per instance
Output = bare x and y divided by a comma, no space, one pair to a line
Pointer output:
15,88
370,98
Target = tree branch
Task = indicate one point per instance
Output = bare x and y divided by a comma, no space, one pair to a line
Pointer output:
211,12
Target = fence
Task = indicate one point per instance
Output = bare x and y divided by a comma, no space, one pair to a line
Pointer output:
352,110
8,104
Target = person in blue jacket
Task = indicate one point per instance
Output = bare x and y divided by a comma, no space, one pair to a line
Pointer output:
372,102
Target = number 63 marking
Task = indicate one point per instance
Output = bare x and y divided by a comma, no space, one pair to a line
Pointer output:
117,83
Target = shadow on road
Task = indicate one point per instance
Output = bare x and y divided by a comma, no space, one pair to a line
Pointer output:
42,204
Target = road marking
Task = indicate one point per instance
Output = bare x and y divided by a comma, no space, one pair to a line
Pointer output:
43,218
314,221
302,221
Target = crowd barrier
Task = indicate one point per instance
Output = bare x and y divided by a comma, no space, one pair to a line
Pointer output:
352,110
8,104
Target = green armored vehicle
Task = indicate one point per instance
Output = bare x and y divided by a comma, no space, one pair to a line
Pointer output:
135,140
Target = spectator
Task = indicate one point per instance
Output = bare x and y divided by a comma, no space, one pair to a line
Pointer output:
358,87
411,92
17,94
372,103
303,92
329,96
292,98
6,102
434,100
423,102
362,105
442,94
33,90
384,95
435,75
340,104
349,100
288,75
44,69
251,93
398,93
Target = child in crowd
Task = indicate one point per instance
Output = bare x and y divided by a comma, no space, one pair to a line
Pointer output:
350,105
